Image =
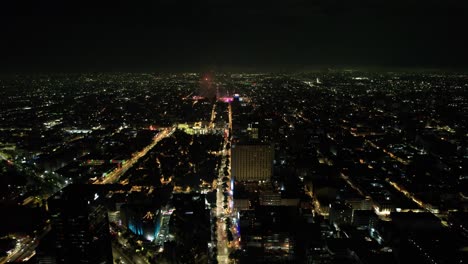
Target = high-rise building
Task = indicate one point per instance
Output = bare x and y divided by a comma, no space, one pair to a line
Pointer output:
142,221
45,251
252,129
270,198
365,218
269,234
341,214
252,162
81,226
276,198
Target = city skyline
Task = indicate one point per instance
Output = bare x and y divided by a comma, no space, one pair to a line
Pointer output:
234,132
329,166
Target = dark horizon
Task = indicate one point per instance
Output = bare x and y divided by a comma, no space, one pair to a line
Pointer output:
274,35
237,69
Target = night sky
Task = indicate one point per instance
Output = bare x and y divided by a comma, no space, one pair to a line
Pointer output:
228,34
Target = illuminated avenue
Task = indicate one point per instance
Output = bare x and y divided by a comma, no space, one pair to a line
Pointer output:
114,176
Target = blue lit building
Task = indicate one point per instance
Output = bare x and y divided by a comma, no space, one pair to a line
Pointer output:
141,220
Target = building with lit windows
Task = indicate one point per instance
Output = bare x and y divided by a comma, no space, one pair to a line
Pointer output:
268,234
252,162
81,226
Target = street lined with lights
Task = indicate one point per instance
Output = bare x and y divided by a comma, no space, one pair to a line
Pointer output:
115,175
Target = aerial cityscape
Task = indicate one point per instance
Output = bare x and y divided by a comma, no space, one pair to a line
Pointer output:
234,132
324,167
